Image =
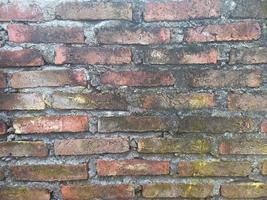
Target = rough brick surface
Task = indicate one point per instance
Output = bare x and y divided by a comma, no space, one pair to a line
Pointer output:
20,58
94,11
92,55
183,10
181,56
53,78
214,168
135,99
131,167
23,149
91,146
24,193
142,78
35,34
177,190
49,172
244,190
97,191
225,32
21,101
50,124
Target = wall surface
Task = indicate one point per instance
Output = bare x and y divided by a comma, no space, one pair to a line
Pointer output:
133,99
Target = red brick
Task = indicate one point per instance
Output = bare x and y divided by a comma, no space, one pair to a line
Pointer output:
141,78
214,168
3,128
224,32
231,78
3,81
252,55
243,147
133,35
173,100
187,55
79,192
131,167
15,11
24,193
264,126
182,10
23,149
249,9
51,124
247,102
132,124
264,168
20,58
174,145
199,124
91,146
92,55
37,34
49,172
48,78
248,190
94,10
166,190
21,101
88,101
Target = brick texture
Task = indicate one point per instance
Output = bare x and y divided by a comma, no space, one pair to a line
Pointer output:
136,99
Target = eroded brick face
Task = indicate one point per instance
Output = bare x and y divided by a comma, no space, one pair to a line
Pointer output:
135,99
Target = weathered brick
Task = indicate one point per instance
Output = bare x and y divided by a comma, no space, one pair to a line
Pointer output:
264,168
247,102
24,193
187,55
238,31
79,192
181,145
88,101
250,9
21,101
51,124
243,147
37,34
2,174
131,167
231,78
94,10
50,172
132,124
18,12
20,58
199,124
264,126
91,146
141,78
248,190
182,10
214,168
3,128
23,149
173,100
252,55
92,55
48,78
166,190
133,35
3,81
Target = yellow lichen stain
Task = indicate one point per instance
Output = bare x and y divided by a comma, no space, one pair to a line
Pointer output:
199,167
79,99
197,101
258,185
203,146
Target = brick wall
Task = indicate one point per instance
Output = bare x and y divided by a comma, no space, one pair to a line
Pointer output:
133,99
